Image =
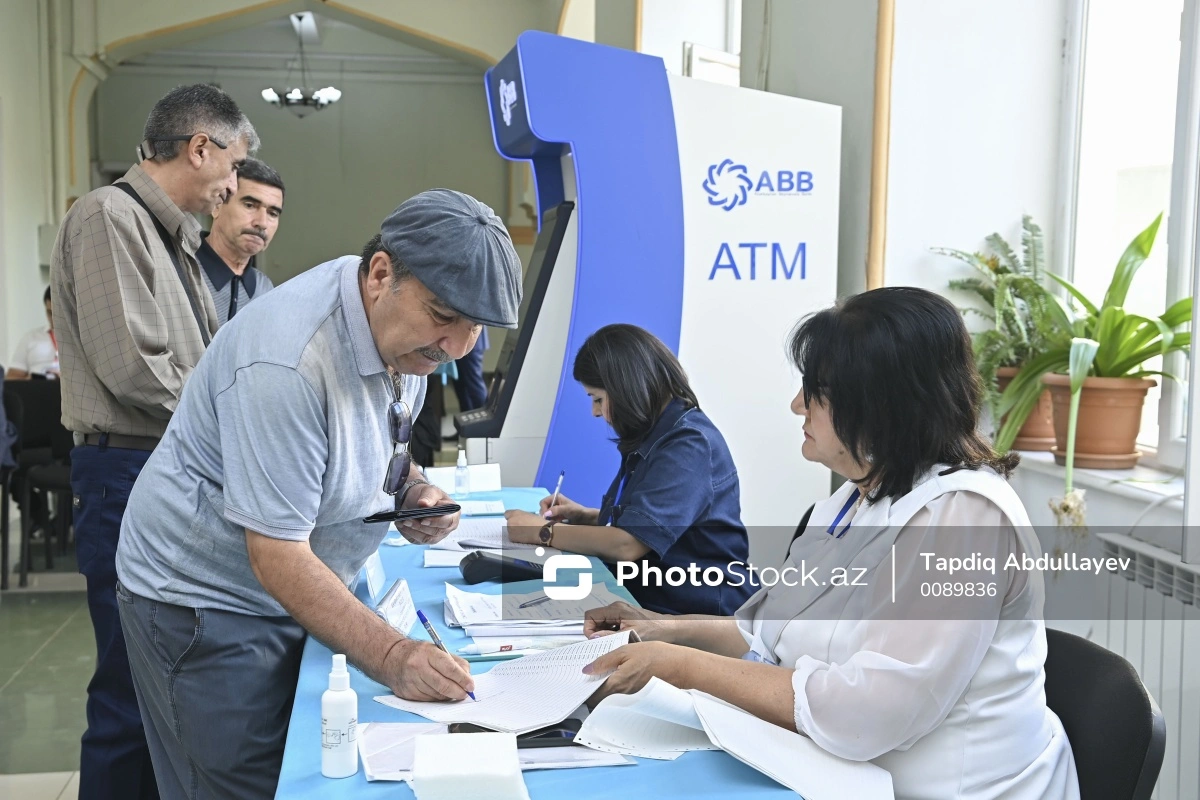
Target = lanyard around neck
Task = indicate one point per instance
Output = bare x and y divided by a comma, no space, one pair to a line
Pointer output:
845,510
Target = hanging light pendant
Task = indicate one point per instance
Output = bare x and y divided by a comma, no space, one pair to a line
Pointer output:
301,100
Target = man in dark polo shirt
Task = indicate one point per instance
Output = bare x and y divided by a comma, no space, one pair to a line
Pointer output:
242,228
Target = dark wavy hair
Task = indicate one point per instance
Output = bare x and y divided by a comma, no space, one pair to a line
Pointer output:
896,370
640,376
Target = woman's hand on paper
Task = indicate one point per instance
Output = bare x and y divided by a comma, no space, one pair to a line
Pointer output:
523,527
631,667
621,616
417,670
427,530
565,510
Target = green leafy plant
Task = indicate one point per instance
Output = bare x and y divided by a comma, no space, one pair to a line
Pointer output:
1017,304
1094,340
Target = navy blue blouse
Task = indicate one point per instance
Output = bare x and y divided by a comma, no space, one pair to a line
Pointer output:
678,494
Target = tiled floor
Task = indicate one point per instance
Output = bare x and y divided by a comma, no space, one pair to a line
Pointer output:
40,786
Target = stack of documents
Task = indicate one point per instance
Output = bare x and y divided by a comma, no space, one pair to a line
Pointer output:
485,615
661,721
524,694
387,751
479,508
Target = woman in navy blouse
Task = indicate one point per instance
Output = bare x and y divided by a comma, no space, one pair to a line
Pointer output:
675,500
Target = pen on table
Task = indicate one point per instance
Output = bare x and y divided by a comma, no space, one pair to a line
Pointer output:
557,489
437,641
501,645
534,601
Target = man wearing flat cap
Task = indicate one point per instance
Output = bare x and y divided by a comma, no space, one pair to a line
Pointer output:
246,525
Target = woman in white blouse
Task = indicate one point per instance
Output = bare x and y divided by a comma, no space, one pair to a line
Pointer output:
937,676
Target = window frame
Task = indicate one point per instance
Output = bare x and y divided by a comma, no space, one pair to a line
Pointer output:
1183,245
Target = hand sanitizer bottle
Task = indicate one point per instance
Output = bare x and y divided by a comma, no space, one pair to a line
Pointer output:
462,475
339,724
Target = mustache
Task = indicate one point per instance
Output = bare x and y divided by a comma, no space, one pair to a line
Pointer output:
435,354
256,232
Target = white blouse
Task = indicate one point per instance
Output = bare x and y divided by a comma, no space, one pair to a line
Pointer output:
946,694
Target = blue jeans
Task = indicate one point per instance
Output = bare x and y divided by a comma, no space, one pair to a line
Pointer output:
114,762
216,691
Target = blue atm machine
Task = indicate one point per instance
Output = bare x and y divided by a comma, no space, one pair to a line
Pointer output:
706,214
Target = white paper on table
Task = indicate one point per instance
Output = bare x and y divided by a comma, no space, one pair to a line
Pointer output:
472,608
387,748
483,477
480,508
444,558
397,607
526,693
375,575
524,629
396,541
387,751
480,533
659,721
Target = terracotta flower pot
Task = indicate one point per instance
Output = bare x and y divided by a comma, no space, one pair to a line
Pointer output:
1110,415
1038,431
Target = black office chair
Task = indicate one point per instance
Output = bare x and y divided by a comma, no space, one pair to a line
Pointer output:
1116,730
41,402
52,479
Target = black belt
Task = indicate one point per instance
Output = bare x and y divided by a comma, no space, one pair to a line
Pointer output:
116,440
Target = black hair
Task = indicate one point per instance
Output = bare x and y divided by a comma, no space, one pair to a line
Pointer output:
896,369
640,376
254,170
46,295
376,245
198,108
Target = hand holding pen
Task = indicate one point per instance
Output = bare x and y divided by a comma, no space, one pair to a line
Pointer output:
437,641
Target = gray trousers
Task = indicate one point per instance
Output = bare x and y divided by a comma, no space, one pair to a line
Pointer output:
215,692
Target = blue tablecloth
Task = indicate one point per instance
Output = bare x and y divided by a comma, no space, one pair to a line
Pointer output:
712,774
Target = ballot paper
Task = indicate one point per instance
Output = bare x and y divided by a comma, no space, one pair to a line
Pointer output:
397,607
481,508
481,533
661,721
524,694
387,751
501,614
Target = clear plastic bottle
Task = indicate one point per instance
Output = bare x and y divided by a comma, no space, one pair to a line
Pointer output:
339,724
462,475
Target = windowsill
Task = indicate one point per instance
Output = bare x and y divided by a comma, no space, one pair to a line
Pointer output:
1142,483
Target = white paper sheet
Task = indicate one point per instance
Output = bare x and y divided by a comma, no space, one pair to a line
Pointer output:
666,721
375,575
387,751
471,608
397,607
444,558
480,533
524,694
481,508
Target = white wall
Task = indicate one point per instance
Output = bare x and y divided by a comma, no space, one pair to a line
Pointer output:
975,124
347,166
825,51
23,177
667,24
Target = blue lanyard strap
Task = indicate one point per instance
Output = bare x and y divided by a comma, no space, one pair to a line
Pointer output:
845,509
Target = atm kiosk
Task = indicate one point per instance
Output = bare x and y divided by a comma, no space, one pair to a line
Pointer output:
704,213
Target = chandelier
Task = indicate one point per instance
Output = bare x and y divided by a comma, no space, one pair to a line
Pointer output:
301,100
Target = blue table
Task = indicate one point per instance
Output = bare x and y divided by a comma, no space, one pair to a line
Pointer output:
700,774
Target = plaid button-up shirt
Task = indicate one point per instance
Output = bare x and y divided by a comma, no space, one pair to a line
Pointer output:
127,337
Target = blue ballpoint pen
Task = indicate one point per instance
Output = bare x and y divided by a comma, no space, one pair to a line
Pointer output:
557,489
437,641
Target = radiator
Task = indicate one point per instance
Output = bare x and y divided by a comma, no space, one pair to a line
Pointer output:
1153,621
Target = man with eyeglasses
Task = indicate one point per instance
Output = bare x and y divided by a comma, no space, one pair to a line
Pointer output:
248,523
132,317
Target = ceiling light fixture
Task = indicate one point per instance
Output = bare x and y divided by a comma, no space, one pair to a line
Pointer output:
301,100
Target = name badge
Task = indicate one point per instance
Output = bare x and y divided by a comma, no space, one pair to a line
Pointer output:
397,608
375,575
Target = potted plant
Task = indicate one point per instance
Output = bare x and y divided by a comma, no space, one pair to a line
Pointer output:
1095,367
1017,307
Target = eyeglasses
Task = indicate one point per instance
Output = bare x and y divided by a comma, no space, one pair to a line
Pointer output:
400,428
147,149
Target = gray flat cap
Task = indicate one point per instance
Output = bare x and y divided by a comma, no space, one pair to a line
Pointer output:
461,251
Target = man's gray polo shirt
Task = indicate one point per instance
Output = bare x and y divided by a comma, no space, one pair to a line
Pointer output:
282,429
